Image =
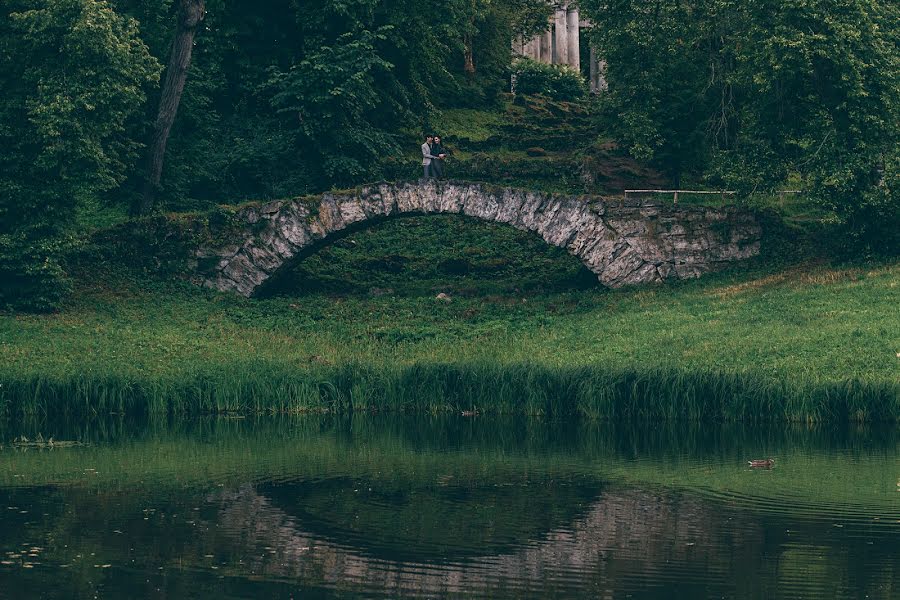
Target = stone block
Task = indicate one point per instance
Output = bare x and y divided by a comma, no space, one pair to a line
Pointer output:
623,242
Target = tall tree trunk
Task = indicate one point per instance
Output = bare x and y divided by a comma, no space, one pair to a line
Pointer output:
190,15
469,65
469,41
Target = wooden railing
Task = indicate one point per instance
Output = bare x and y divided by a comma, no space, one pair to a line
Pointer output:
722,193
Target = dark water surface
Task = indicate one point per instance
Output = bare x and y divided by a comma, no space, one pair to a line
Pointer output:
452,507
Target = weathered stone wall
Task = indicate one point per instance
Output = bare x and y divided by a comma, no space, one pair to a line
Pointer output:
625,242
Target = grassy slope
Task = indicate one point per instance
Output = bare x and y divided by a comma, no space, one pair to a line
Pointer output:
534,143
806,326
492,145
440,253
127,341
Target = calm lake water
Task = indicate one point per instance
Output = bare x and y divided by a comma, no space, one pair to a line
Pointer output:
375,506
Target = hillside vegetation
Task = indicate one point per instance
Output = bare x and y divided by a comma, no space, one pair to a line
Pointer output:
810,342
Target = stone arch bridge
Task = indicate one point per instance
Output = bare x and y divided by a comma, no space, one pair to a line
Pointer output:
623,241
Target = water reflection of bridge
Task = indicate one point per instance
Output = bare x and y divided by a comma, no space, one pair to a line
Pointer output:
621,535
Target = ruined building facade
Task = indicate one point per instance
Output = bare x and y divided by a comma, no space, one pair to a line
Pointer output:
560,44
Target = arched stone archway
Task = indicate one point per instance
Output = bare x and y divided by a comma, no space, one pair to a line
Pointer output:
624,242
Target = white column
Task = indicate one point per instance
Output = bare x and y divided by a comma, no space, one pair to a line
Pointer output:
574,39
546,47
594,70
560,38
533,48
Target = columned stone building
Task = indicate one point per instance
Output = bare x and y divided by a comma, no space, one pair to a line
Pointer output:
560,44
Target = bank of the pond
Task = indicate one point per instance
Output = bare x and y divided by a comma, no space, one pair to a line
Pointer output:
810,343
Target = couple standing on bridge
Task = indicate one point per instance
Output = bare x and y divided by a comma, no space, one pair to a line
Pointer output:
433,155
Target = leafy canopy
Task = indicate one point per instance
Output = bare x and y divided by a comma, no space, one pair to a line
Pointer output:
74,74
755,93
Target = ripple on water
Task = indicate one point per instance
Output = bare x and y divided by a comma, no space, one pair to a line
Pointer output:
442,510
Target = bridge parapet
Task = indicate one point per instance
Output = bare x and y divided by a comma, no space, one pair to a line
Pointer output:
623,241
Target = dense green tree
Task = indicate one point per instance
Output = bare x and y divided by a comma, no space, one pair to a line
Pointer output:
332,94
74,74
757,93
486,20
488,28
190,17
278,98
821,100
657,102
286,98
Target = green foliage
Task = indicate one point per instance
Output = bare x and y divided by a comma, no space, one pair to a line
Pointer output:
816,343
488,27
755,93
74,73
31,276
283,100
450,254
558,82
149,246
333,93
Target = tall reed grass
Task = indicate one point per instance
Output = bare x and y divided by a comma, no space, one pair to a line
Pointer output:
486,387
812,343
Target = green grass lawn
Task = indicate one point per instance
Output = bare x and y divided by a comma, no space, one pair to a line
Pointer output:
527,329
799,329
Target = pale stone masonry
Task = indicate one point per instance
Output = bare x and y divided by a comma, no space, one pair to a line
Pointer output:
623,241
573,39
561,39
560,44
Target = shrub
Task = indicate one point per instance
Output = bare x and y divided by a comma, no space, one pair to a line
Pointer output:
555,81
31,277
74,74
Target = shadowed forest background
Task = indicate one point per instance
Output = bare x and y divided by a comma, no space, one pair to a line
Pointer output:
295,97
